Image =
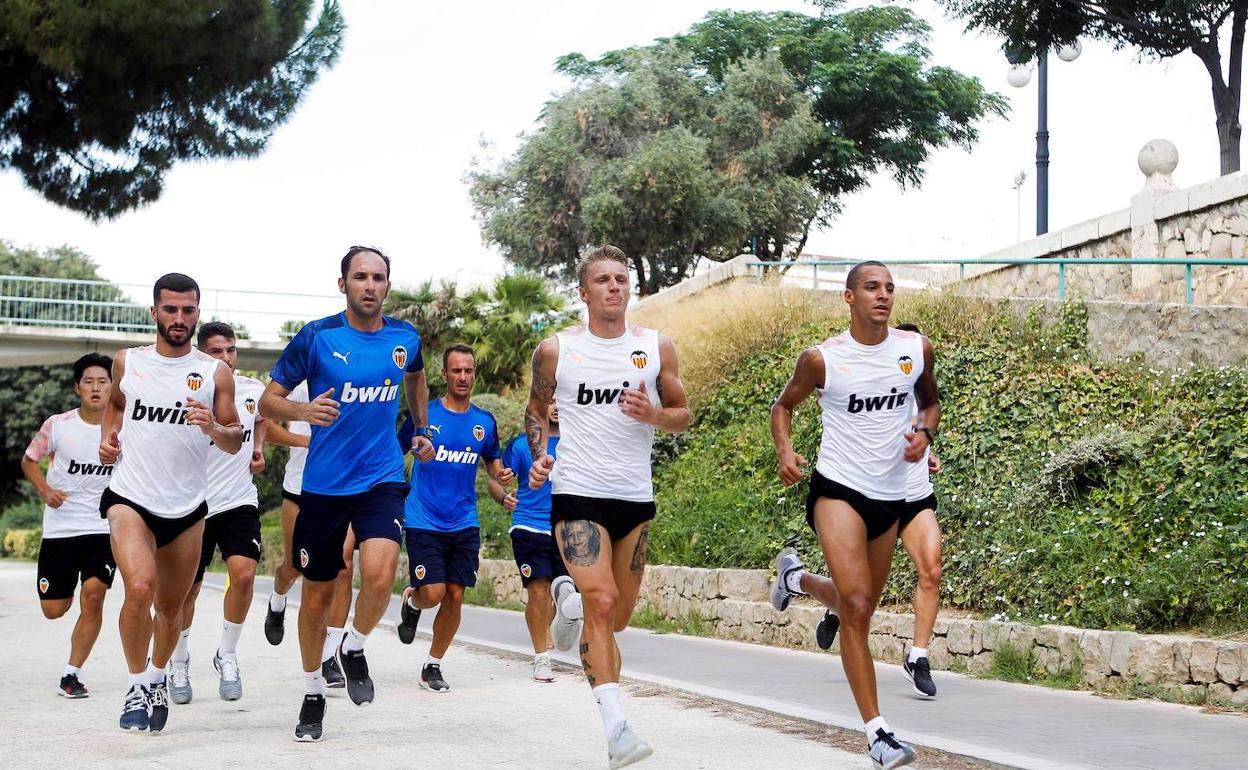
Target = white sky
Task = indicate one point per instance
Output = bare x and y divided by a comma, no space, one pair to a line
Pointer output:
377,152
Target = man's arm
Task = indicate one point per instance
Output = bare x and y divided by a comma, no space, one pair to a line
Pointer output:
114,410
52,497
220,424
536,420
257,444
416,388
276,433
274,405
928,400
673,414
807,376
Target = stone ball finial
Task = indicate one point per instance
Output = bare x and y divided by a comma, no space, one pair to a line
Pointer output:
1157,160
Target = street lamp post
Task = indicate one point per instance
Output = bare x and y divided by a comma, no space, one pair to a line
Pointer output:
1020,76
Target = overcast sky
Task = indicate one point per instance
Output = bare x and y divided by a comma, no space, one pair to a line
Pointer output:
378,151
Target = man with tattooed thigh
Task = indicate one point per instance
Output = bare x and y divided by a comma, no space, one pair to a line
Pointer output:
615,383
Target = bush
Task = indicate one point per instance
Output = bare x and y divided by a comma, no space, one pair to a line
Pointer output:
23,515
22,543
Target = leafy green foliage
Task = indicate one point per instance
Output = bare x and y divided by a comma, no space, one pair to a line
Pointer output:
99,100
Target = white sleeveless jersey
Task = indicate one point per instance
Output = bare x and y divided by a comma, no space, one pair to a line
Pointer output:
230,482
164,462
602,452
75,469
292,482
866,398
918,478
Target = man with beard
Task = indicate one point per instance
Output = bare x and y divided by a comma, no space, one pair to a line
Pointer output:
171,403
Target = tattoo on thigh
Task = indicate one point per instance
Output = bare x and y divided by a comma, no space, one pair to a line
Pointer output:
584,648
581,542
638,562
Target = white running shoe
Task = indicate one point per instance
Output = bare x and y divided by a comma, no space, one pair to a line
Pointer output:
565,629
231,687
180,681
786,562
624,747
542,671
887,752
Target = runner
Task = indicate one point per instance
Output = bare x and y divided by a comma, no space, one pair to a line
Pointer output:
232,526
75,539
354,475
615,382
532,544
167,398
866,376
443,532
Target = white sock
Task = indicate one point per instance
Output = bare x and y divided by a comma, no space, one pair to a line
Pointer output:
793,581
875,724
70,670
916,653
332,637
410,594
230,632
572,608
432,661
277,602
313,684
154,675
139,678
608,697
182,653
354,640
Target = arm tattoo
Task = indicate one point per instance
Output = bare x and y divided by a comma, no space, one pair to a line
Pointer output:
638,562
582,545
541,391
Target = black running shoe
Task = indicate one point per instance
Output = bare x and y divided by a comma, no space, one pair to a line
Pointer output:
332,674
355,670
275,625
159,698
920,675
825,632
408,618
71,687
311,715
431,678
134,714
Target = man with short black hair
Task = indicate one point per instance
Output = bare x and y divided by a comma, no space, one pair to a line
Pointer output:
170,403
75,543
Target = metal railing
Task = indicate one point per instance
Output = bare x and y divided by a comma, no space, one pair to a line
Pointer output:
1059,262
103,306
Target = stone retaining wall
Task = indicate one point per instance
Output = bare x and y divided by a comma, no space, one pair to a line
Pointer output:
734,601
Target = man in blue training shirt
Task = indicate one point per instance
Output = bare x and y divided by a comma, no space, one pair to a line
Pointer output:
354,475
443,534
537,554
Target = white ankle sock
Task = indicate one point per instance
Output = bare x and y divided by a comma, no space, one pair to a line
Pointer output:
875,724
139,678
277,602
313,684
432,661
354,640
182,652
332,637
70,670
154,675
608,697
572,607
916,653
230,632
793,581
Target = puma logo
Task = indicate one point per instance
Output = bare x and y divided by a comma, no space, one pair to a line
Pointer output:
342,356
400,526
257,542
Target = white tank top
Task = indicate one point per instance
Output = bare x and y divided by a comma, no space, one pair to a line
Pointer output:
230,483
602,452
918,479
292,482
164,462
76,469
866,401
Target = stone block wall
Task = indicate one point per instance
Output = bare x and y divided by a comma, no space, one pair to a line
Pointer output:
734,602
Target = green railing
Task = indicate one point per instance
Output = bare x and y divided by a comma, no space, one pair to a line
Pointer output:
1059,262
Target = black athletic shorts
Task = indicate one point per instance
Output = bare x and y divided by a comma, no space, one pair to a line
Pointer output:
63,561
537,555
236,532
914,508
878,515
321,526
443,557
618,517
164,529
294,497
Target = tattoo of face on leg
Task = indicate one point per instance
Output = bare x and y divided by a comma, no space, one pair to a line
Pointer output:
638,562
581,542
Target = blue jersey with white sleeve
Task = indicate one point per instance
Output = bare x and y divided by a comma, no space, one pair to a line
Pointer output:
357,451
444,490
532,505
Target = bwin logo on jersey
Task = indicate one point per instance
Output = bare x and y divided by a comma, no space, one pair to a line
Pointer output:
586,396
364,395
467,457
174,415
876,403
89,469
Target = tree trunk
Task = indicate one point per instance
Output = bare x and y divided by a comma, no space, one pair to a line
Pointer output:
1225,94
639,267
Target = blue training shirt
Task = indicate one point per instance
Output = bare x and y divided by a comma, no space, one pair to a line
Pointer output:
444,490
357,451
532,505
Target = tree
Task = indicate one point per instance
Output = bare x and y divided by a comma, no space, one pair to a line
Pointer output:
1158,28
881,106
99,100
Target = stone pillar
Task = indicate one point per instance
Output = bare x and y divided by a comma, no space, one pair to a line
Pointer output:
1157,161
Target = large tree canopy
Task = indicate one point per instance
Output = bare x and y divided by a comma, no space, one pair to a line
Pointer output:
99,100
1158,28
